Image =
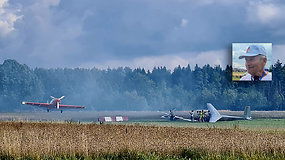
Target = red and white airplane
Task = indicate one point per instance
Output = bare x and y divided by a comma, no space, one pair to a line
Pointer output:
54,104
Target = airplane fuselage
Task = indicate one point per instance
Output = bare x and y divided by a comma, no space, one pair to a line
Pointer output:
54,103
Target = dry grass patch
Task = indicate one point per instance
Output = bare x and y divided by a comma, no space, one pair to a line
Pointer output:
34,139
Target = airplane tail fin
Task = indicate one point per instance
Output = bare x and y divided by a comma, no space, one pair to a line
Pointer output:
247,114
215,115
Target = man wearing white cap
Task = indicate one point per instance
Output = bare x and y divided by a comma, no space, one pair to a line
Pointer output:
255,61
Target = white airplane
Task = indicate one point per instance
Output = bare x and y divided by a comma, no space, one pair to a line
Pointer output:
55,103
215,115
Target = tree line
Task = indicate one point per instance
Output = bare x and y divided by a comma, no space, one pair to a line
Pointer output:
184,88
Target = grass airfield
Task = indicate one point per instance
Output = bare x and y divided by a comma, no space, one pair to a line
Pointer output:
255,124
78,135
92,116
261,119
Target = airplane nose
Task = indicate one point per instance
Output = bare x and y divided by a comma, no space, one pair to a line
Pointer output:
57,105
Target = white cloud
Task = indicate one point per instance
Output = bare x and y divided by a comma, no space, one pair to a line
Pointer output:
49,33
184,22
219,57
2,3
278,53
86,32
216,57
267,13
8,17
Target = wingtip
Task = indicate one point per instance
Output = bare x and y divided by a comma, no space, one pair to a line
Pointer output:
23,102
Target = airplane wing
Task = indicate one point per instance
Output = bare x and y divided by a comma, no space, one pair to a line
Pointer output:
36,104
164,116
235,117
163,113
184,119
70,106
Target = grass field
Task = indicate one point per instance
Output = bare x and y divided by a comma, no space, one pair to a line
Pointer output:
237,75
256,124
257,139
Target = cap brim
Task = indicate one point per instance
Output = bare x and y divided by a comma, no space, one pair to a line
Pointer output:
248,55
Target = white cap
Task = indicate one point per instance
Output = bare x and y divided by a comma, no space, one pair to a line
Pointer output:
253,50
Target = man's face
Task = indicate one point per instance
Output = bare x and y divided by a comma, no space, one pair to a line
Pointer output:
255,65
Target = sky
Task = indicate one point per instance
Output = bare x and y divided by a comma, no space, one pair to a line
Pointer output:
140,33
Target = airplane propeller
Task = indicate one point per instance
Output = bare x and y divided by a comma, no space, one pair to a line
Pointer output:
58,98
61,97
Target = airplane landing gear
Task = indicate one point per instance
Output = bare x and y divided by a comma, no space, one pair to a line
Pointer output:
60,111
47,110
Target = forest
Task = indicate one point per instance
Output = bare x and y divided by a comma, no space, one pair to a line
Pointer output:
123,88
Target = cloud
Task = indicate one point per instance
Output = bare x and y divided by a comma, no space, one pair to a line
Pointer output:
184,22
265,13
278,53
219,57
2,3
8,17
69,33
46,35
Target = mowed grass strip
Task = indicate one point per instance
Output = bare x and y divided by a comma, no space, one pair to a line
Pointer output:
35,139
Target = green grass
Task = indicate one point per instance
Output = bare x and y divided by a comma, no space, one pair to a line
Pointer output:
182,154
255,124
236,75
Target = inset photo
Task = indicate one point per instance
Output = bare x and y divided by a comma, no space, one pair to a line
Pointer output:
251,61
